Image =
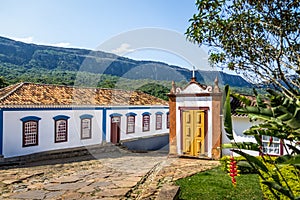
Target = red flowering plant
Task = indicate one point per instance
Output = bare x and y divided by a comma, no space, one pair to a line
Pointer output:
278,117
233,170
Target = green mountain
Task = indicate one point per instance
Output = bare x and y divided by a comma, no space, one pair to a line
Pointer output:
46,64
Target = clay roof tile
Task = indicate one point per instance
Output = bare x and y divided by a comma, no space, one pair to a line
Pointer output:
46,95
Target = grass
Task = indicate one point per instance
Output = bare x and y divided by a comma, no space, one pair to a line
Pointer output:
216,184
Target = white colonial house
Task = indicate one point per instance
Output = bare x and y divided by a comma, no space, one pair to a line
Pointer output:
39,117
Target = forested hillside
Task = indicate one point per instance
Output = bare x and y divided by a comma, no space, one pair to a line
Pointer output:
68,66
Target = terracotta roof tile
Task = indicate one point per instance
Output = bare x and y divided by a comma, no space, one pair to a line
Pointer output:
46,95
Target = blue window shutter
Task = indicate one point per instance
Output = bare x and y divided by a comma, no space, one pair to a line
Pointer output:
86,116
130,114
146,113
115,115
59,117
30,118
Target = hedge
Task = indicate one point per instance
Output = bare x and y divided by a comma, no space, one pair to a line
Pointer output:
291,176
290,173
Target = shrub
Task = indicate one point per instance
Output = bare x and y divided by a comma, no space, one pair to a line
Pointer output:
291,176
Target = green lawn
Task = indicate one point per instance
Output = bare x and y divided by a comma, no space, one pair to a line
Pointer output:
216,184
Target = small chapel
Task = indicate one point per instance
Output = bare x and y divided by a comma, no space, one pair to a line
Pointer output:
195,120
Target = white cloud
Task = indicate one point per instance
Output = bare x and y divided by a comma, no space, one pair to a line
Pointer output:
61,44
31,40
26,39
124,48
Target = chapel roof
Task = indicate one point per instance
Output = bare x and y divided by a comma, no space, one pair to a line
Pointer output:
32,94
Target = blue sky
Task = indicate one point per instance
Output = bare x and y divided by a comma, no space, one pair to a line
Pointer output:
92,23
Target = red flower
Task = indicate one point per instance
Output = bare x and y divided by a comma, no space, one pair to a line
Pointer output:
270,141
232,168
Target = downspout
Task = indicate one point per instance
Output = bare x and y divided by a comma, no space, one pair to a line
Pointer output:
104,115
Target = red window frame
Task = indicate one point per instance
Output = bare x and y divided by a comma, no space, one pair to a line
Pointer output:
146,122
130,124
61,130
158,123
86,131
30,133
168,120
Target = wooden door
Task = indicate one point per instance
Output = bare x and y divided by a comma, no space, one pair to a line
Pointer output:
193,132
115,129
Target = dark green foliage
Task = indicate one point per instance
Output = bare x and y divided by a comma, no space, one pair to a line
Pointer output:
227,114
108,81
255,162
156,90
259,39
284,180
216,184
241,145
246,168
3,82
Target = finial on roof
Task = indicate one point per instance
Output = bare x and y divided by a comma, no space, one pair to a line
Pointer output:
173,89
193,72
193,79
216,85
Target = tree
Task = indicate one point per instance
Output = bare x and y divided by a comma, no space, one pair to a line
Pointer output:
156,90
3,82
278,116
260,39
107,81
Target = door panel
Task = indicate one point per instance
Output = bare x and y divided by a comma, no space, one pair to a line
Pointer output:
193,132
115,130
187,133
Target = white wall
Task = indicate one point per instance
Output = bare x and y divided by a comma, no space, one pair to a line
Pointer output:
194,102
239,125
12,131
138,122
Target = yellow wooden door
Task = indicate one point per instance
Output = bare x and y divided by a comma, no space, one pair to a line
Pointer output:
193,132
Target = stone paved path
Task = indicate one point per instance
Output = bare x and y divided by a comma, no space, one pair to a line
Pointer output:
128,176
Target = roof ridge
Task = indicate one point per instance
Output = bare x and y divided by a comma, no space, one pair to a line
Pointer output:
18,85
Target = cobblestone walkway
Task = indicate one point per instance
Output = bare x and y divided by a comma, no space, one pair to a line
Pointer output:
130,176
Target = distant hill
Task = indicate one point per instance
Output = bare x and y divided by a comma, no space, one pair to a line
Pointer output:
37,63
